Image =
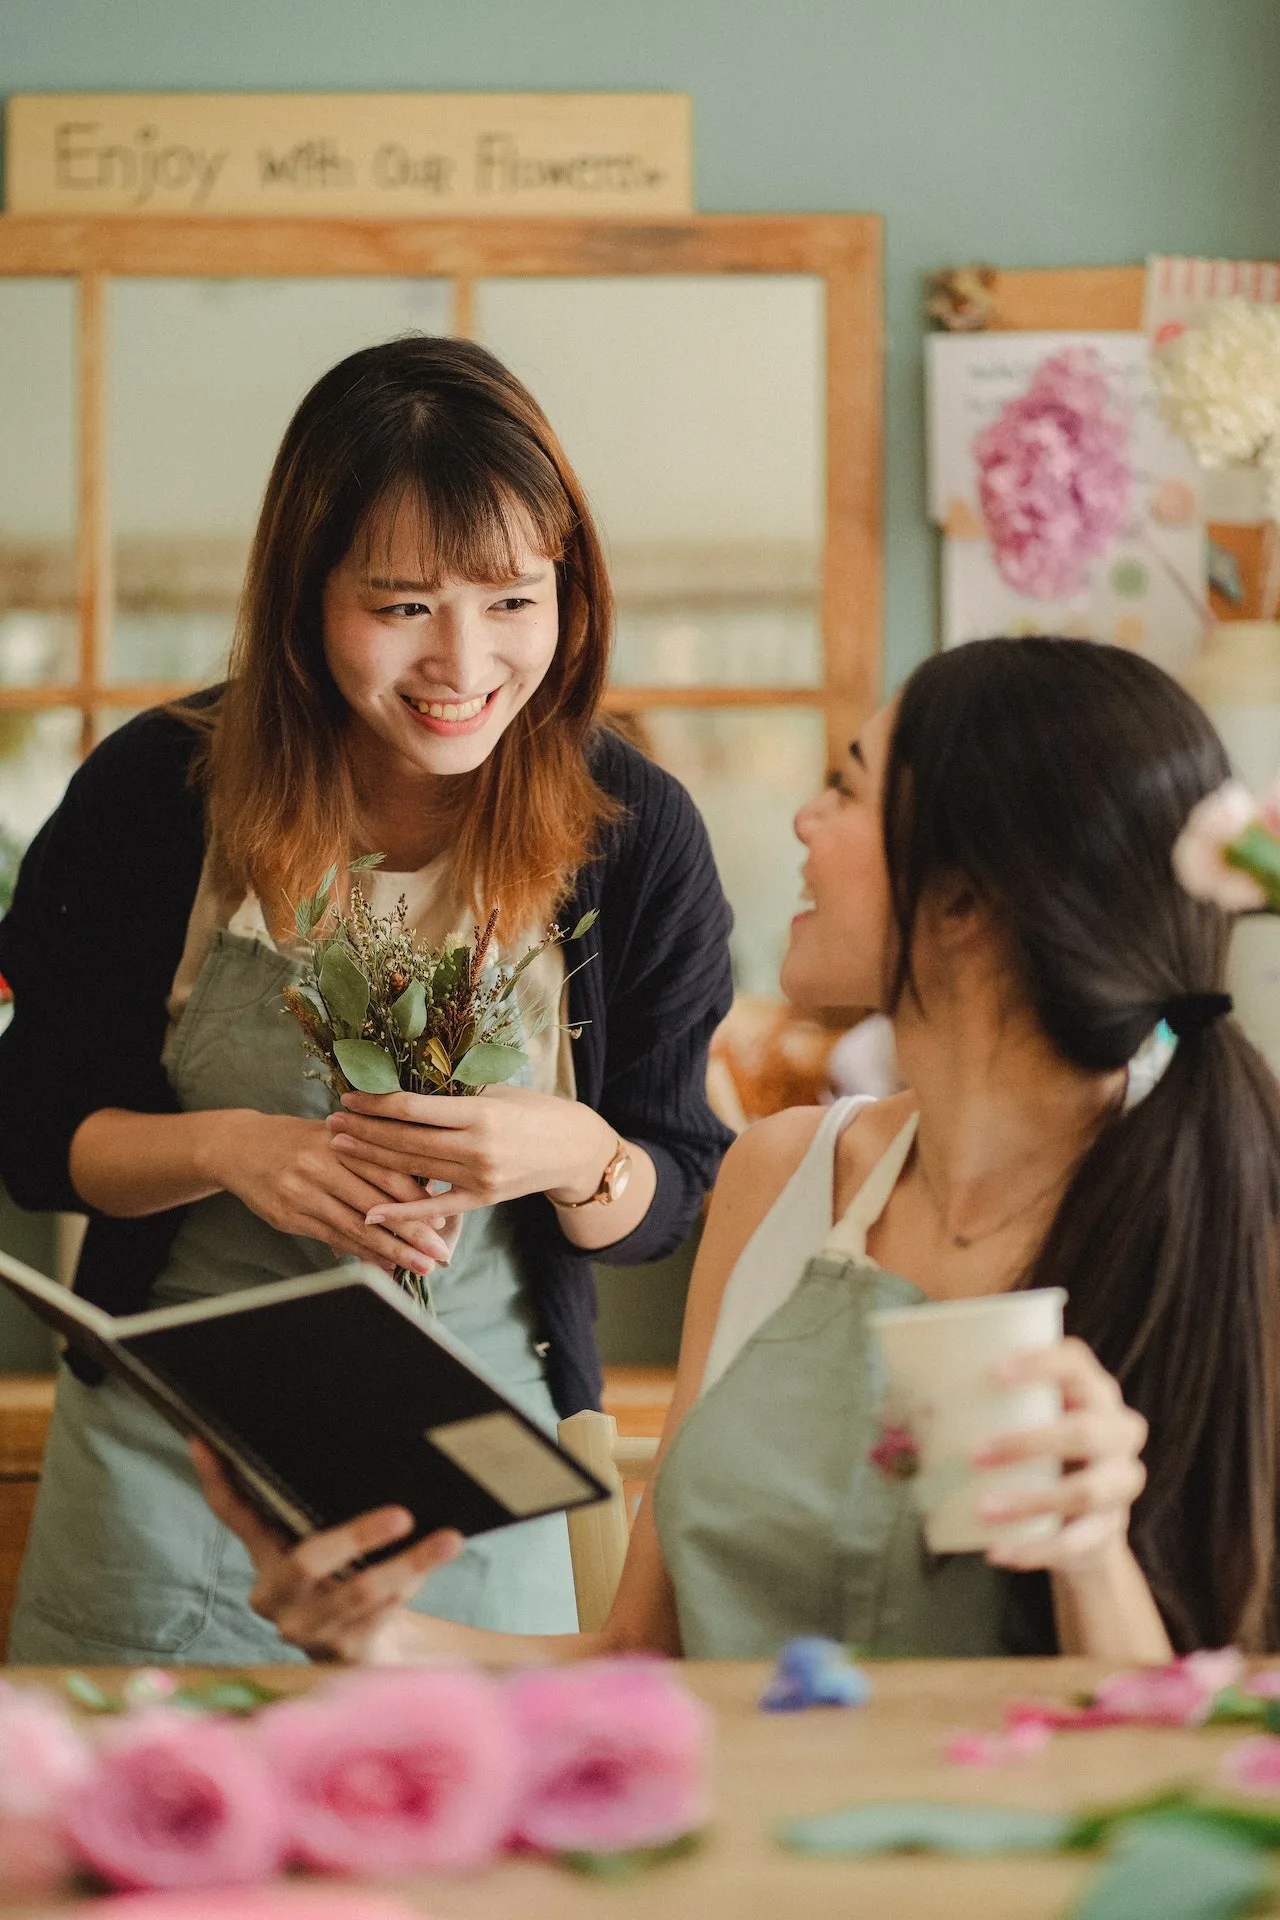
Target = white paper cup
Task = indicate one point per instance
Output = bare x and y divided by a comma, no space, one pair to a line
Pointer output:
939,1360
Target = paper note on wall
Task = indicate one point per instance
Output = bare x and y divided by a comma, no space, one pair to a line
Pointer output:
1146,591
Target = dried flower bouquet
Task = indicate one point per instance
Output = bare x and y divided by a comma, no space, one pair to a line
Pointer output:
384,1014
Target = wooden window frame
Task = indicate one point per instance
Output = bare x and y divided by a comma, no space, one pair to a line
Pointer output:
841,250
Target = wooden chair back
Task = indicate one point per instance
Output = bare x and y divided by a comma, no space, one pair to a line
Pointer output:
26,1404
598,1535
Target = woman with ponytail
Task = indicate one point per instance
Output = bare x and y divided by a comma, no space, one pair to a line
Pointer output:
992,866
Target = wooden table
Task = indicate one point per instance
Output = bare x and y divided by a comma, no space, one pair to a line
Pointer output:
769,1766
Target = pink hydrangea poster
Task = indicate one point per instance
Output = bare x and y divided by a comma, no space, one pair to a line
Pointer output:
1146,588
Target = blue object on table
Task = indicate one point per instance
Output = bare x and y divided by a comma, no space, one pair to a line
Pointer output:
813,1672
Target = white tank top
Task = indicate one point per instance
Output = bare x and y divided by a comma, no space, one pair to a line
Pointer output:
799,1225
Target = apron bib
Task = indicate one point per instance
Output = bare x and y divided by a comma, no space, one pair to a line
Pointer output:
125,1561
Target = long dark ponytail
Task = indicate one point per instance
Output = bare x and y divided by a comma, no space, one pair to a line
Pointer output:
1055,775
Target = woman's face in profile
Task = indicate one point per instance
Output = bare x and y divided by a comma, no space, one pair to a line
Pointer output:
837,952
436,670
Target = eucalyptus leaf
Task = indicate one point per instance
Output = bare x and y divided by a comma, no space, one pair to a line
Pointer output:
924,1826
238,1696
366,1066
633,1860
488,1065
88,1694
345,990
1172,1868
586,923
409,1013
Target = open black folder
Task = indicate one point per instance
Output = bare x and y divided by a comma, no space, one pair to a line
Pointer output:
326,1396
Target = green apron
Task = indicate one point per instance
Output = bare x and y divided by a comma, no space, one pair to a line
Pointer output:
773,1519
125,1562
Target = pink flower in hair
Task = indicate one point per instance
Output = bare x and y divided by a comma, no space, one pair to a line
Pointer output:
43,1760
178,1800
1200,852
616,1757
1054,476
396,1771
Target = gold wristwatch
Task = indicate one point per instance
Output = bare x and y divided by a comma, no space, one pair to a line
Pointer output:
613,1184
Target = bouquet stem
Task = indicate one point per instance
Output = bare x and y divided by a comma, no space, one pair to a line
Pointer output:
418,1288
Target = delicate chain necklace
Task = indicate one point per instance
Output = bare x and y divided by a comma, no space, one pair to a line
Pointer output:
963,1240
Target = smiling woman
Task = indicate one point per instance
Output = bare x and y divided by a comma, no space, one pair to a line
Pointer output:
422,646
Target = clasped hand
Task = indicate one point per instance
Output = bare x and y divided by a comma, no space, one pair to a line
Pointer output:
510,1142
287,1172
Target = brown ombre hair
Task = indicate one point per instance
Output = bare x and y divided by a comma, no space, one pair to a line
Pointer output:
437,429
1055,775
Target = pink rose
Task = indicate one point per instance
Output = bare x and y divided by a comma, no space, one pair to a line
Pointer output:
616,1757
1254,1765
396,1771
1199,854
43,1760
238,1903
178,1801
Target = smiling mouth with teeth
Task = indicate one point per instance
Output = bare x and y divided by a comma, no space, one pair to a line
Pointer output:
449,709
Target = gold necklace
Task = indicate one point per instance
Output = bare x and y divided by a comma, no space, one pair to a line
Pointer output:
964,1240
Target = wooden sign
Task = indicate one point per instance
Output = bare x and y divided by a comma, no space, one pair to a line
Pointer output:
388,154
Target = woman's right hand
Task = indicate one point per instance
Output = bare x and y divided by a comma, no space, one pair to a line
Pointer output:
286,1171
305,1590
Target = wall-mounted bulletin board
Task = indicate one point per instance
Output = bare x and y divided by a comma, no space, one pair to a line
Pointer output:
1193,542
1148,592
716,381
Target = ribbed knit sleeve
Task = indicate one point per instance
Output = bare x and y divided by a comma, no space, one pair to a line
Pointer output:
666,985
647,1006
89,947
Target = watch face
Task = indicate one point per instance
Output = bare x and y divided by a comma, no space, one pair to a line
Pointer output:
618,1177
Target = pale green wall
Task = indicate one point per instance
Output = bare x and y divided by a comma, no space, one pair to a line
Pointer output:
1029,132
1023,131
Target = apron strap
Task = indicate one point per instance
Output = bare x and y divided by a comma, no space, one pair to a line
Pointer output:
848,1238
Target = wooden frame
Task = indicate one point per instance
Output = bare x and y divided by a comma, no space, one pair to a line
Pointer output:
1058,299
843,250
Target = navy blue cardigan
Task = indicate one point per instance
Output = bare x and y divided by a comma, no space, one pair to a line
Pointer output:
93,939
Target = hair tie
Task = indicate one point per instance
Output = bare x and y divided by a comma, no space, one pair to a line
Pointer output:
1189,1013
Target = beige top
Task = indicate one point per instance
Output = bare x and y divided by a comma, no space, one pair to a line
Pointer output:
434,914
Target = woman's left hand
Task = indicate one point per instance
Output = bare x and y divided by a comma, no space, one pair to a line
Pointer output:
1099,1441
509,1142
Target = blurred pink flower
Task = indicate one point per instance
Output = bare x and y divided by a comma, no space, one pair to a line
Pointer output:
1023,1739
1254,1765
396,1771
43,1760
1199,861
239,1903
178,1800
616,1756
1054,476
1269,808
1180,1694
1264,1685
